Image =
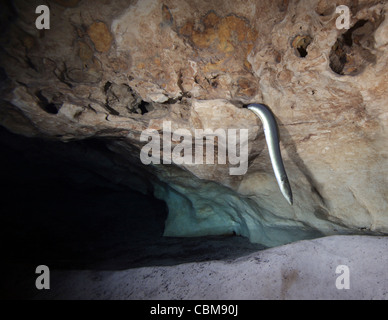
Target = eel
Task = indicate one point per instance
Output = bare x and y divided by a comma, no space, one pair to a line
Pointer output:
272,139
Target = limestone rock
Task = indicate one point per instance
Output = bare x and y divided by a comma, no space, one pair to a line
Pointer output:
196,65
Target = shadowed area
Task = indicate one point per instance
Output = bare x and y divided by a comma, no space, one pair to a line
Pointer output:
65,216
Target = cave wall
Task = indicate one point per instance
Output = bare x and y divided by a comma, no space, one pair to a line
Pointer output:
113,70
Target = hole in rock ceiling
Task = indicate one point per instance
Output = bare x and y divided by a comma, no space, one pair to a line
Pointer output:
352,52
300,43
107,85
46,105
144,107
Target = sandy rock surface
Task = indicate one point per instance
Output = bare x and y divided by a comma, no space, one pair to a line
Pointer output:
301,270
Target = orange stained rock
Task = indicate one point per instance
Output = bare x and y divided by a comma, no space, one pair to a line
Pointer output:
100,36
224,34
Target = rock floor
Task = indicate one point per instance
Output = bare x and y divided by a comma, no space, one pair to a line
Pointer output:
301,270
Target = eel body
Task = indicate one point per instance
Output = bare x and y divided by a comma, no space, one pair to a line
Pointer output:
272,139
